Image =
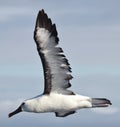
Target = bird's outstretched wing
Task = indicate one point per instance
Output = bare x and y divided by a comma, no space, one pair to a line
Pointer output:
55,65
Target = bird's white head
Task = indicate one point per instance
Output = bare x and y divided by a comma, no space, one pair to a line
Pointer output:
27,106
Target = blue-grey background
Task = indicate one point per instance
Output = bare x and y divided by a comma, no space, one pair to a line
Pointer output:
89,32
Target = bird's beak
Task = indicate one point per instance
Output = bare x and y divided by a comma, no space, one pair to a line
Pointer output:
15,112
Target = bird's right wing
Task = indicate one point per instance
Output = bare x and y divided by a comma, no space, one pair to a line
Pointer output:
55,65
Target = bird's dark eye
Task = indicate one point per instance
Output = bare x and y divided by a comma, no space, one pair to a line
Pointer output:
23,103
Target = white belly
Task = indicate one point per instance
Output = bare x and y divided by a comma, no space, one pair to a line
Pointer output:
57,102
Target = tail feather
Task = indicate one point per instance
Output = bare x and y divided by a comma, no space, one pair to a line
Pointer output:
100,102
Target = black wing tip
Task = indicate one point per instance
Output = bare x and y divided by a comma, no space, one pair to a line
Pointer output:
43,21
41,12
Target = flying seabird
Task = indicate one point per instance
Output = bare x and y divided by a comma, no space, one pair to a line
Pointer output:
56,97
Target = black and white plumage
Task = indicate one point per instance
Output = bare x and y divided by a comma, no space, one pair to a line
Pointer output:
55,65
57,75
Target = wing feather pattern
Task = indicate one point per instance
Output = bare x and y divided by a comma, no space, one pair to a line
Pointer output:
55,65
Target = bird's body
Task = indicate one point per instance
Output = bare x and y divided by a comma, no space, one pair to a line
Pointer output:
57,103
56,97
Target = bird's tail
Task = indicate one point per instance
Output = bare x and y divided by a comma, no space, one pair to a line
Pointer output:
100,102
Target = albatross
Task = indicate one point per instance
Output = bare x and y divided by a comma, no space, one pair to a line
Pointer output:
56,98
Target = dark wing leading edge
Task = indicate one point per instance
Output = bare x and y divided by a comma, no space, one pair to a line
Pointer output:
55,65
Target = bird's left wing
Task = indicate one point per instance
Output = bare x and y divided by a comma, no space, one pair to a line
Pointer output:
55,65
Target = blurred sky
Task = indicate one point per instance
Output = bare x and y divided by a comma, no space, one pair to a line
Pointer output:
89,32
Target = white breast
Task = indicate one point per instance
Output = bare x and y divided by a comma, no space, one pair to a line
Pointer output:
57,102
